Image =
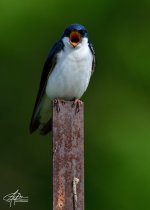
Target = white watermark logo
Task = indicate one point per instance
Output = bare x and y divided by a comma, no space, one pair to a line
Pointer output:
15,197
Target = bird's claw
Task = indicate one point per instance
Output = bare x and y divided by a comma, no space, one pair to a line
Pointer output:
57,103
77,103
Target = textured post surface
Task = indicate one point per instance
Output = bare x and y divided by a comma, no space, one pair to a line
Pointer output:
68,158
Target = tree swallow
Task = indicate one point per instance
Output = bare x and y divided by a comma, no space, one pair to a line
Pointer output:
65,76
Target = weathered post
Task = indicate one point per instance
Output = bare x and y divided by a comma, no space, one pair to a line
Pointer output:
68,158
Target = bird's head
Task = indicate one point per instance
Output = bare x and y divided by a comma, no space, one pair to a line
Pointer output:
74,34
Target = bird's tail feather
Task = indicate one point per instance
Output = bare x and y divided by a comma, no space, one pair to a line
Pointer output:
46,128
41,116
35,121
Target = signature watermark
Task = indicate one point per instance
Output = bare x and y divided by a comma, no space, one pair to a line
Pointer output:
15,197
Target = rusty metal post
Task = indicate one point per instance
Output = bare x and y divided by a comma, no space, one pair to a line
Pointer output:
68,158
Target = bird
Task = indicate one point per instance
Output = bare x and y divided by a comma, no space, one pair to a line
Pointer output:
65,76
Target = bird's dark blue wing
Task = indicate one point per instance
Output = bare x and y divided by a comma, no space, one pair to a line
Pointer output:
50,62
47,69
93,53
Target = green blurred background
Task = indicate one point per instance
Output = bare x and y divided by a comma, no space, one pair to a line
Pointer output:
117,103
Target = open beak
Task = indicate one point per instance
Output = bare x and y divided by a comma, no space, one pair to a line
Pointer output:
74,38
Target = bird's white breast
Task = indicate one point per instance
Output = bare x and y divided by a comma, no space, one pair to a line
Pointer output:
72,72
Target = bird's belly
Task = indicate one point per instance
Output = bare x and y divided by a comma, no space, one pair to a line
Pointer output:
69,79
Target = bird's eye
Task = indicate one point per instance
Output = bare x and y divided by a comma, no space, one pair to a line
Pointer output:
67,32
81,32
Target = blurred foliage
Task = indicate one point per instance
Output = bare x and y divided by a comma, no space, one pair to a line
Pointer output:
117,103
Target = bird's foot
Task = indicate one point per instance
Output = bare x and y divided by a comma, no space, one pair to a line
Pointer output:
77,103
57,103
